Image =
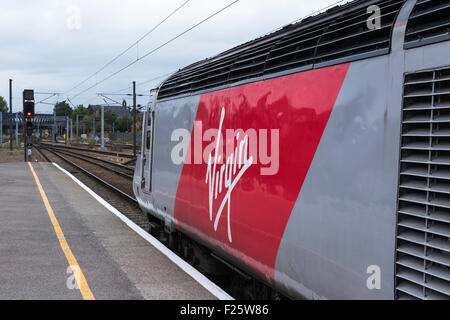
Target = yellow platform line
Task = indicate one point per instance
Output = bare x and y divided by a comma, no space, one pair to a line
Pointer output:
79,276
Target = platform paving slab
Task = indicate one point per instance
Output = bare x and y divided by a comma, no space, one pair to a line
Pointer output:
116,261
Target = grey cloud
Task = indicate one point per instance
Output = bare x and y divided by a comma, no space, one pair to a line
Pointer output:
39,51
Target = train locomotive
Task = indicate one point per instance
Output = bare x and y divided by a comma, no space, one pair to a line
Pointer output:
315,159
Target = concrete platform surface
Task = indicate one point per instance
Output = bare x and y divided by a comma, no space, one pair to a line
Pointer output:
116,262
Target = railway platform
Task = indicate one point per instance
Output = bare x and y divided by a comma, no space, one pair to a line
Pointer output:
58,241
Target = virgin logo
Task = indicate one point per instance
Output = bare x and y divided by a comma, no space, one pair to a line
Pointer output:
223,179
256,141
227,156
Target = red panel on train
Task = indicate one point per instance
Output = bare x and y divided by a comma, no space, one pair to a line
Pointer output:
244,206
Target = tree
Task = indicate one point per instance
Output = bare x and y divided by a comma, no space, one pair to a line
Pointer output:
86,123
110,118
3,105
124,124
63,109
81,111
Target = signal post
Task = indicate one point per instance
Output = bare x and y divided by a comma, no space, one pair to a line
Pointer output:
28,115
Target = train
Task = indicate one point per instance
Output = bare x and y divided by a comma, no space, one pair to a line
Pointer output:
314,160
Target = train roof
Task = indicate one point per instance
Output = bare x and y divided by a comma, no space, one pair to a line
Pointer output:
338,35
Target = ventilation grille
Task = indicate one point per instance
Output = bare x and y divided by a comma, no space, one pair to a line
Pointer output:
339,35
429,23
423,231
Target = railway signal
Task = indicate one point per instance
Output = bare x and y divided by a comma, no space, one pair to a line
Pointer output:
28,109
29,128
28,103
28,115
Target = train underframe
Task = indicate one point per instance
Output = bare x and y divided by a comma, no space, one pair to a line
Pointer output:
236,282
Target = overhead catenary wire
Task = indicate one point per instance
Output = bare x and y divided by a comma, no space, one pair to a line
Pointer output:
71,102
147,81
156,49
44,100
294,21
129,88
167,74
130,47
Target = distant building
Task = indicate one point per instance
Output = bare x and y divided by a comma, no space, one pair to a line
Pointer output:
119,111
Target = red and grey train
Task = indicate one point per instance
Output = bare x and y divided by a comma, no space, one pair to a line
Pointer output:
315,159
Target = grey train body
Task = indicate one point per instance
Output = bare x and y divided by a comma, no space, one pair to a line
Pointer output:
344,223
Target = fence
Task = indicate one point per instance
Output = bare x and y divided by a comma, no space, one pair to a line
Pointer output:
124,137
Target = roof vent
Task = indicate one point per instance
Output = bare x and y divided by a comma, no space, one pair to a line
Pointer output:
428,23
336,36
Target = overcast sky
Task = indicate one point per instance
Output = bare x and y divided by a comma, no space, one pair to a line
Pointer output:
44,46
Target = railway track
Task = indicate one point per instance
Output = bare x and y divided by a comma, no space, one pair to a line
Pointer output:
103,152
116,168
112,187
108,145
113,179
99,157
